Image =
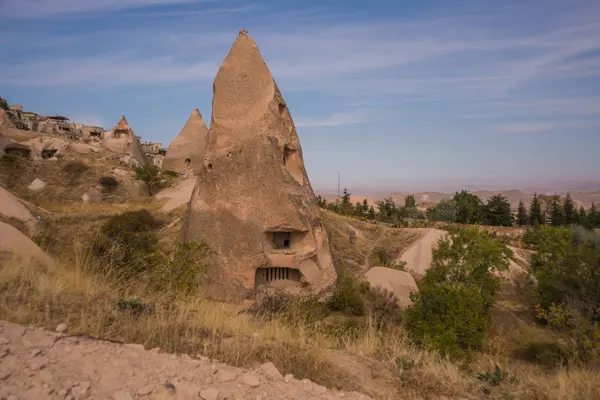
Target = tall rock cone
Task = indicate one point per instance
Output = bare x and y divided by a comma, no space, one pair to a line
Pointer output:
122,140
186,151
253,203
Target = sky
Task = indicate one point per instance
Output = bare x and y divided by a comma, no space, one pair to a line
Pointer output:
395,95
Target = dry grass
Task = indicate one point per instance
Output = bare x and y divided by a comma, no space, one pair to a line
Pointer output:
383,364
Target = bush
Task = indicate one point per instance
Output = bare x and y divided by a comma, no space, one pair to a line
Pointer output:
451,319
549,354
583,339
566,265
170,174
184,268
75,168
382,306
128,242
451,312
108,183
347,296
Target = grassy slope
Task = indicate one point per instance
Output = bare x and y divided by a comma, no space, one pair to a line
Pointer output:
385,365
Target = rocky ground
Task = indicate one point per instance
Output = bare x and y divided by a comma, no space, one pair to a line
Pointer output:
37,364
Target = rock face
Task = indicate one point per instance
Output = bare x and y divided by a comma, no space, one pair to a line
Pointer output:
400,283
253,203
419,255
12,207
13,241
121,139
186,151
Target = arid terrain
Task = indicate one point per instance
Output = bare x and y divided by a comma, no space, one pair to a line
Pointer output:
224,278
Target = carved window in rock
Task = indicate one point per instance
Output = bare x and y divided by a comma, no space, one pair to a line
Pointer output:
282,240
188,162
272,274
48,153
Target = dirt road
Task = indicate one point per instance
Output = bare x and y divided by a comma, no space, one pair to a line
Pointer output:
37,364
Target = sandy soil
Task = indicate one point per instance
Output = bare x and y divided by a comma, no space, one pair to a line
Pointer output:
37,364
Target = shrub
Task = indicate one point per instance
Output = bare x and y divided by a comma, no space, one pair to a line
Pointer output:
451,312
150,175
494,378
583,335
75,168
108,183
549,354
347,296
452,319
184,268
382,306
170,174
566,266
128,243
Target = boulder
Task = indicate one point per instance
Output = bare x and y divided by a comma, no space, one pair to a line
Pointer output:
186,151
15,242
253,203
12,207
400,283
36,185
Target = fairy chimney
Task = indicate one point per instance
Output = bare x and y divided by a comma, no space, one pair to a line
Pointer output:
121,139
253,202
186,151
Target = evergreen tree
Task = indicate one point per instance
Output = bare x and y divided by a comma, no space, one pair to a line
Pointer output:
358,209
388,210
594,217
365,207
536,215
522,217
346,204
371,214
569,210
582,217
497,211
321,201
469,208
445,210
556,211
410,202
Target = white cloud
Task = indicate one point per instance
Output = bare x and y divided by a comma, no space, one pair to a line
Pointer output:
46,8
332,120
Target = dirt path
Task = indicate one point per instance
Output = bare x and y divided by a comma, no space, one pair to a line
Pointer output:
37,364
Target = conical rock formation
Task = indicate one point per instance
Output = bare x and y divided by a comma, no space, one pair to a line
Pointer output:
186,151
253,203
122,140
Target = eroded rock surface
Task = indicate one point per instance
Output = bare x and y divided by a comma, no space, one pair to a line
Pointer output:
36,364
186,151
253,203
121,139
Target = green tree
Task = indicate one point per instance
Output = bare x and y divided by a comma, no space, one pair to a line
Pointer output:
469,208
321,201
151,175
445,210
594,216
582,217
522,217
371,214
365,207
358,209
556,211
569,210
410,202
388,210
498,212
451,311
536,215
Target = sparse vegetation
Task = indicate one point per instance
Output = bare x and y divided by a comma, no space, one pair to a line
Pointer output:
108,183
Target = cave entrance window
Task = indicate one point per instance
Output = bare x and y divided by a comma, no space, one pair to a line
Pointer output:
188,162
282,240
49,153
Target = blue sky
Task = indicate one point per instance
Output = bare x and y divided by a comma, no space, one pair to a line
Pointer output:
395,95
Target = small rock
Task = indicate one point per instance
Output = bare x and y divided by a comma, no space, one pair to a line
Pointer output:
250,380
226,376
122,395
209,394
145,390
81,390
319,389
288,378
36,185
155,350
270,370
61,328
